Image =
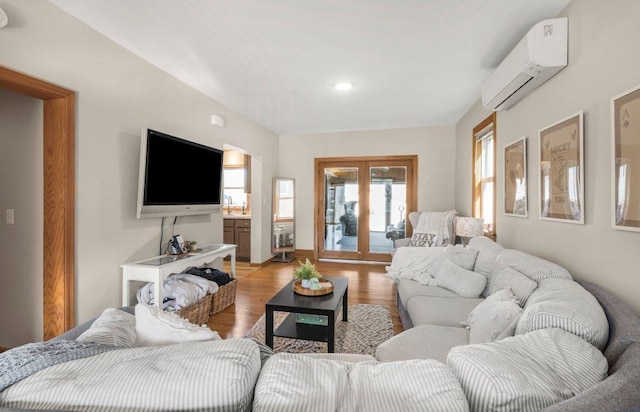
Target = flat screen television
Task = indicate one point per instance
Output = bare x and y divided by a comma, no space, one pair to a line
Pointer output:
177,177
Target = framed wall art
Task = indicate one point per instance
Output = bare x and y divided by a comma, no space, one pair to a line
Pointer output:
625,134
515,178
561,170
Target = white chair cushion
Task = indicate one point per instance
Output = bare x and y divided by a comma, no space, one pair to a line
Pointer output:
462,282
520,285
495,318
564,304
155,326
113,327
526,372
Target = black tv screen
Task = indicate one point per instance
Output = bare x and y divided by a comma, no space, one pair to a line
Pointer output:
178,173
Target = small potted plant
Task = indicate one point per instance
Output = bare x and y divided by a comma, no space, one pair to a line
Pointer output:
305,272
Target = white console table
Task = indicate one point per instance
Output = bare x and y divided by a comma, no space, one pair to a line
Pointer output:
156,269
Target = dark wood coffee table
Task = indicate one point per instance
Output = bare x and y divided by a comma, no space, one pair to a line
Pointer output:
328,305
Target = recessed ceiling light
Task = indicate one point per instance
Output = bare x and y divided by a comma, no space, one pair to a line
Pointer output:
343,86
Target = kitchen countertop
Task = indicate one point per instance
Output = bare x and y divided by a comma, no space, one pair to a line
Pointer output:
233,216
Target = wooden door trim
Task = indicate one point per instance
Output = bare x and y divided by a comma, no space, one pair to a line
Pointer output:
475,189
360,162
59,196
412,196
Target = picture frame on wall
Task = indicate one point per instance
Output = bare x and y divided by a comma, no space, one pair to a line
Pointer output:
625,160
561,170
515,178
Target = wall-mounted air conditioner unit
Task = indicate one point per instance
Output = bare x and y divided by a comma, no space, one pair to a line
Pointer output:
536,58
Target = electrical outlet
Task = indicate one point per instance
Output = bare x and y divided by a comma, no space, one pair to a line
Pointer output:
10,219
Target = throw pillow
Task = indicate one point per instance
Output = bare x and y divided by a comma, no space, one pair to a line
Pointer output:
564,304
495,318
462,282
520,285
113,327
527,372
294,382
423,240
461,256
155,326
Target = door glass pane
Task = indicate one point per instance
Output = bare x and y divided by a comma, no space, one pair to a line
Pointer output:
387,204
341,209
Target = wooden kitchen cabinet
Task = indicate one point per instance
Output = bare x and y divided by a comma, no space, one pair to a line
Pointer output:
238,232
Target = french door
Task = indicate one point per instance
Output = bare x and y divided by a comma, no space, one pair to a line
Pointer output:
362,204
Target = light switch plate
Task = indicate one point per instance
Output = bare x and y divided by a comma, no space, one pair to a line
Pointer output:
10,219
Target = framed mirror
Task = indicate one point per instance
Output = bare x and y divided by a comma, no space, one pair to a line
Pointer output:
283,219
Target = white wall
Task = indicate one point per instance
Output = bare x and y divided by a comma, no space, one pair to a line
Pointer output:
21,183
117,95
435,147
602,64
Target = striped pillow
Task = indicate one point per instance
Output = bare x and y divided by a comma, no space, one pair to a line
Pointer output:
290,382
564,304
526,372
413,385
114,327
520,285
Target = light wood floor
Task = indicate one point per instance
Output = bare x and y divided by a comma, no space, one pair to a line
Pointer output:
367,284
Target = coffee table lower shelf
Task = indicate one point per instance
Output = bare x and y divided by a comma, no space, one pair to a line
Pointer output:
289,328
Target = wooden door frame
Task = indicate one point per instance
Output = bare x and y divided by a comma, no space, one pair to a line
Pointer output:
475,189
58,135
357,161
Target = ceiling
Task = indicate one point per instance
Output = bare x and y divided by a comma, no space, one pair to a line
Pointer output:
412,62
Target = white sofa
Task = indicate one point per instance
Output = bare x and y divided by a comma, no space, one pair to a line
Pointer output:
436,322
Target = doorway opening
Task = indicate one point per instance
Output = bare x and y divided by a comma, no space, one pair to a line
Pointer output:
362,204
59,116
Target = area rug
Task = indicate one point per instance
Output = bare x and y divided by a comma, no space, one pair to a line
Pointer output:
368,326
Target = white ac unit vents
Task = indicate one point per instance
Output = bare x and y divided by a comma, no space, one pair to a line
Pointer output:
536,58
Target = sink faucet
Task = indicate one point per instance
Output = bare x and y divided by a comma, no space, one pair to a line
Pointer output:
229,205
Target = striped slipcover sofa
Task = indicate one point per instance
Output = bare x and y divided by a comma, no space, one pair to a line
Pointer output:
436,323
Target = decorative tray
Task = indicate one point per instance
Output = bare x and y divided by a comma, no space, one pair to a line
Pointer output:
326,288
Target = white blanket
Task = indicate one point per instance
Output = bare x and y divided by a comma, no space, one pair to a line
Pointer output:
440,223
413,263
211,376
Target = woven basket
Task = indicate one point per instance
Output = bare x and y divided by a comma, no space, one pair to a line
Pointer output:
198,313
224,297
